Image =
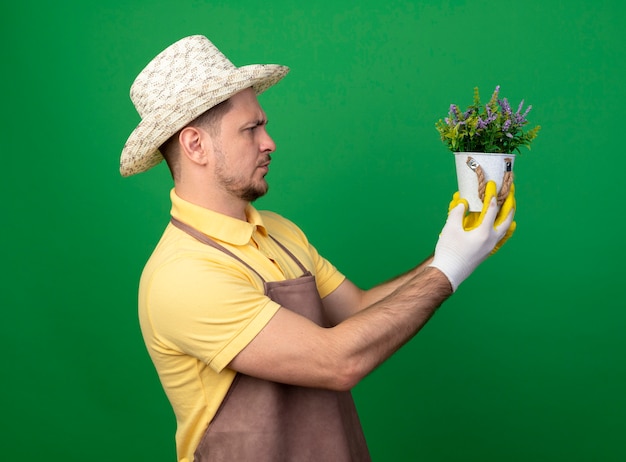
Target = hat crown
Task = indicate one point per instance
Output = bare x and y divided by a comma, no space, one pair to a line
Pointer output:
186,64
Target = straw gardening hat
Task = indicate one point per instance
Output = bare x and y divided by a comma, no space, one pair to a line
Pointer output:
178,85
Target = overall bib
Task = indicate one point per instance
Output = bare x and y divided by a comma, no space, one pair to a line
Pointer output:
265,421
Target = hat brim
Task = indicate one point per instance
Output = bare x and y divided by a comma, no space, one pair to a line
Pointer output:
141,151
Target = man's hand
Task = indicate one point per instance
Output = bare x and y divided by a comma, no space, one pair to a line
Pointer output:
466,240
474,219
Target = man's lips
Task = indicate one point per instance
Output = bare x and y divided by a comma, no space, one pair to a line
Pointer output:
265,164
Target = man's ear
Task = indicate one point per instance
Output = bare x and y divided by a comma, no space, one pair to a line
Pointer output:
195,144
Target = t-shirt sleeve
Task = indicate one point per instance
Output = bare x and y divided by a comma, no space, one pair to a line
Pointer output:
328,277
207,311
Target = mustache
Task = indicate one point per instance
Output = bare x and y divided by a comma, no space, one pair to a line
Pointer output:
265,161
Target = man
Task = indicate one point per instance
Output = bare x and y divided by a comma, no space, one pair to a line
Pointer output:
256,338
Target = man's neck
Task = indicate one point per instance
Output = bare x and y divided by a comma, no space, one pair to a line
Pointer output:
229,206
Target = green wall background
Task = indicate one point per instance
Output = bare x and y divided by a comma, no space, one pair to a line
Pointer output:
525,363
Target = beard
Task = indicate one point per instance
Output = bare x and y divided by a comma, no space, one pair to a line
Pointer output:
251,192
247,191
238,186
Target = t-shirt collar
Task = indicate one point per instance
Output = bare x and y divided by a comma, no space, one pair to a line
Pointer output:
216,225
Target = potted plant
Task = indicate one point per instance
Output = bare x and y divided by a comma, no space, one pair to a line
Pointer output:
484,139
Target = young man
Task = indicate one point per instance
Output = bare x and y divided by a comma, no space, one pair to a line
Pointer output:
258,339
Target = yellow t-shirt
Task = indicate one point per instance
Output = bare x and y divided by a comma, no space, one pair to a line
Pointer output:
199,307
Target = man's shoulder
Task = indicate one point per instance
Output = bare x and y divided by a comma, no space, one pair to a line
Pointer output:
274,219
270,215
275,222
283,228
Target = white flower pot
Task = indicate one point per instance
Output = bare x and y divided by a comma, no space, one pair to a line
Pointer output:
475,169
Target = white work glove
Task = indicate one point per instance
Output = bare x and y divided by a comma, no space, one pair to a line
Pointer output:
459,252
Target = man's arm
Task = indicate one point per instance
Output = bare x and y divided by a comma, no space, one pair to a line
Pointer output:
349,299
292,349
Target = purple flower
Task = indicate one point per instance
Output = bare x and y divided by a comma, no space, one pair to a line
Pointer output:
494,96
527,111
520,119
506,107
491,116
453,113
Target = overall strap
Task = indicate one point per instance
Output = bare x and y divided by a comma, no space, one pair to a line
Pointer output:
288,252
193,232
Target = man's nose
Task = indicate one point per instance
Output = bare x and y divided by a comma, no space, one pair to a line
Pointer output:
267,143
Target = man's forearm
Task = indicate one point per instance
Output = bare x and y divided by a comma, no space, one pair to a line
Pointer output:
381,291
371,336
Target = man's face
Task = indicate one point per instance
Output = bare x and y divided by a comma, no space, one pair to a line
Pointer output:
242,148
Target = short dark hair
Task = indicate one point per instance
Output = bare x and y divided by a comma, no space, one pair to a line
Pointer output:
209,120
